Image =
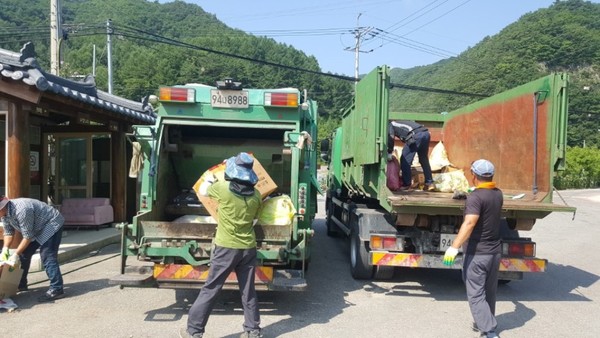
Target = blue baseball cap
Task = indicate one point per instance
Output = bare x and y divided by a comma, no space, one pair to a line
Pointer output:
482,168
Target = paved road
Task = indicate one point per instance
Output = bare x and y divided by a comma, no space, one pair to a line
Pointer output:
563,302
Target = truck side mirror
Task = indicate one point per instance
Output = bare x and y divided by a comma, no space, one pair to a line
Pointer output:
325,150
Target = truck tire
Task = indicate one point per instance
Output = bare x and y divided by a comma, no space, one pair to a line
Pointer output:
331,227
359,257
384,272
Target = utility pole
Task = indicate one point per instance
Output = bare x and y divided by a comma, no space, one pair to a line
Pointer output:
109,48
359,34
94,62
55,36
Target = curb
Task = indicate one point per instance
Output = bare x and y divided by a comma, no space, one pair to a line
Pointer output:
67,255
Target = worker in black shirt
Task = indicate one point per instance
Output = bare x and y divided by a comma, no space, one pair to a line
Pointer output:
416,141
479,236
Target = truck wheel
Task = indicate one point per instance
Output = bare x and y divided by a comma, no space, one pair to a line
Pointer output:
331,227
359,258
506,232
384,272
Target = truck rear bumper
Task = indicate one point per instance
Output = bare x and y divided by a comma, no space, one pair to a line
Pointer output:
193,277
384,258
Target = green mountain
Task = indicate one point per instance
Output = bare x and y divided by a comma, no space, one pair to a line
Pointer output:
564,37
157,44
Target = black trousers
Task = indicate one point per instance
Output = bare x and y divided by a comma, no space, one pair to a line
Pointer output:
223,262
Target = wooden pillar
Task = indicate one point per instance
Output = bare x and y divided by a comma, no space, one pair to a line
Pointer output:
119,176
17,159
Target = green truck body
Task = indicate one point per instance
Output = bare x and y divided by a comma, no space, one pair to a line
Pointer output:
522,131
169,242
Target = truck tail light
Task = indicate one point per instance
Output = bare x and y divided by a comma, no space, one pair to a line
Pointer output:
518,249
383,242
281,99
177,94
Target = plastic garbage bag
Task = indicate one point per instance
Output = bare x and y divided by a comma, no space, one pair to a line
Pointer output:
278,210
392,172
438,158
451,181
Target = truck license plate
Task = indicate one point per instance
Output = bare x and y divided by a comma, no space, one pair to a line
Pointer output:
446,241
229,98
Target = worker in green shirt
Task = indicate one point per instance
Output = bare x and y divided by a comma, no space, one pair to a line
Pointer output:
235,245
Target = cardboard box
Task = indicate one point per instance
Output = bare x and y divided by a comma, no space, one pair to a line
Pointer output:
9,280
265,185
418,177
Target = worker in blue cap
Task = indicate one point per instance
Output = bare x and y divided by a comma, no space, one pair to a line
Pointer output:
235,245
480,234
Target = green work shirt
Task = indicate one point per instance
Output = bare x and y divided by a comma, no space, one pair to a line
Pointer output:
235,228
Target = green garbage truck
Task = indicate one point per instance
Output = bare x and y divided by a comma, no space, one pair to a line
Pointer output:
169,241
522,131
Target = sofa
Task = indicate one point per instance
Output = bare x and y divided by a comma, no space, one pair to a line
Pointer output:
87,212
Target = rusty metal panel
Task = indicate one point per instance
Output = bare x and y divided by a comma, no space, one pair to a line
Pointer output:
517,130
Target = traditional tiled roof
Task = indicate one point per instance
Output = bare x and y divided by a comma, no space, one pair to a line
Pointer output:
23,66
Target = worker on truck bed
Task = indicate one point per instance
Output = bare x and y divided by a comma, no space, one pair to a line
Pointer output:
41,226
416,141
480,231
235,245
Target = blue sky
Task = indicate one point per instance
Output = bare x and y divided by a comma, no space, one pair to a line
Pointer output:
400,33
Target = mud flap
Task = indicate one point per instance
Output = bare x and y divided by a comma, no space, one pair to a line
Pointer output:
134,276
288,280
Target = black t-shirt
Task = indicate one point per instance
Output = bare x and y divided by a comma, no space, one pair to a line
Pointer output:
485,238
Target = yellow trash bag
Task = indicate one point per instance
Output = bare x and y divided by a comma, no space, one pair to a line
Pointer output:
451,181
277,210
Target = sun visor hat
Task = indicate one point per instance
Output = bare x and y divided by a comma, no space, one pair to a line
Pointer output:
3,202
239,168
483,168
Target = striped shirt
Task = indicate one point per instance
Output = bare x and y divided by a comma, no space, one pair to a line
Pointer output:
36,220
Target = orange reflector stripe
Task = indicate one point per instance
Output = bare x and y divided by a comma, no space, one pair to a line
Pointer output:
523,265
263,274
397,259
435,261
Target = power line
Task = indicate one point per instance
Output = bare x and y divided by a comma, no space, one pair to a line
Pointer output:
134,33
444,14
341,77
390,37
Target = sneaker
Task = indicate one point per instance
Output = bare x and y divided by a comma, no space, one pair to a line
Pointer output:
23,288
405,188
251,334
490,334
429,187
183,333
51,295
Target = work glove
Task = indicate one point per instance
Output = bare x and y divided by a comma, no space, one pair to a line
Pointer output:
208,181
450,256
4,255
13,260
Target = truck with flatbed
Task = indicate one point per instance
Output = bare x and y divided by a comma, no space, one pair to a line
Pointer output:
522,131
169,241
